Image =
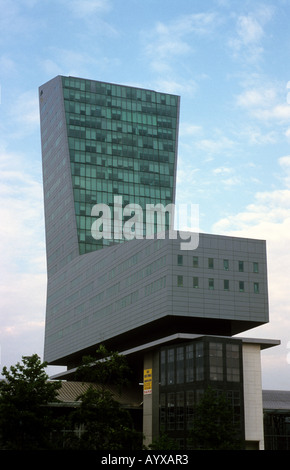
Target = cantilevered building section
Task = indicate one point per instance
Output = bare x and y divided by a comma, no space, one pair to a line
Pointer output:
107,148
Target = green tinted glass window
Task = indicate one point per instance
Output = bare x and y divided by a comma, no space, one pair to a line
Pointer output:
123,140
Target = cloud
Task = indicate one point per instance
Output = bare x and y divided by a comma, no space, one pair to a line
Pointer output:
17,21
177,87
254,135
227,177
188,129
167,42
257,98
23,264
279,113
247,42
87,8
249,30
222,170
198,23
21,213
265,102
268,218
23,114
78,64
215,146
7,65
10,16
92,13
285,165
287,133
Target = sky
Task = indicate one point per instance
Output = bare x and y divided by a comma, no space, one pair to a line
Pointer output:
228,61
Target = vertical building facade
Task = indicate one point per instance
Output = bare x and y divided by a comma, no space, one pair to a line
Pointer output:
109,153
117,143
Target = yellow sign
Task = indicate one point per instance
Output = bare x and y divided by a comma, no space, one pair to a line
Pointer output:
147,381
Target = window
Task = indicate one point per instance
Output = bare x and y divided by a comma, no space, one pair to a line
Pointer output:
226,284
256,287
170,366
180,281
233,362
241,266
255,267
180,260
241,286
189,363
195,261
179,410
199,361
195,282
162,411
210,263
180,365
215,361
171,411
211,284
226,264
189,408
163,368
235,401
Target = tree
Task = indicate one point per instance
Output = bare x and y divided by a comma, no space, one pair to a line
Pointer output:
106,368
163,442
107,426
25,418
213,427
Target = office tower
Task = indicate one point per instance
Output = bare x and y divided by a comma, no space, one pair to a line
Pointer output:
120,142
111,146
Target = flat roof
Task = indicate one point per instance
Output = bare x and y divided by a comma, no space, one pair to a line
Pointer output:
263,343
276,400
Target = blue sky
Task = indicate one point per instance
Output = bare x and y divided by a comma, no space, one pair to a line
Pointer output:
229,62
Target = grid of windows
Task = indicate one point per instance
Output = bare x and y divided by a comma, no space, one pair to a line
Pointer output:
211,284
182,364
187,370
122,141
177,408
211,281
187,363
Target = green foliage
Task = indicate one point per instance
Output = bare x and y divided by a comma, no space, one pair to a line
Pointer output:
107,426
213,427
163,442
25,420
106,368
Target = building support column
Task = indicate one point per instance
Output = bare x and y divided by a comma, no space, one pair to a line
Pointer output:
150,397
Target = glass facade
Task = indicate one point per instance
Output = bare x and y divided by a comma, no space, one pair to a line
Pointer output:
187,370
122,142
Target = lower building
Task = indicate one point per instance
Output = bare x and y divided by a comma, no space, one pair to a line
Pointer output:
172,373
276,406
